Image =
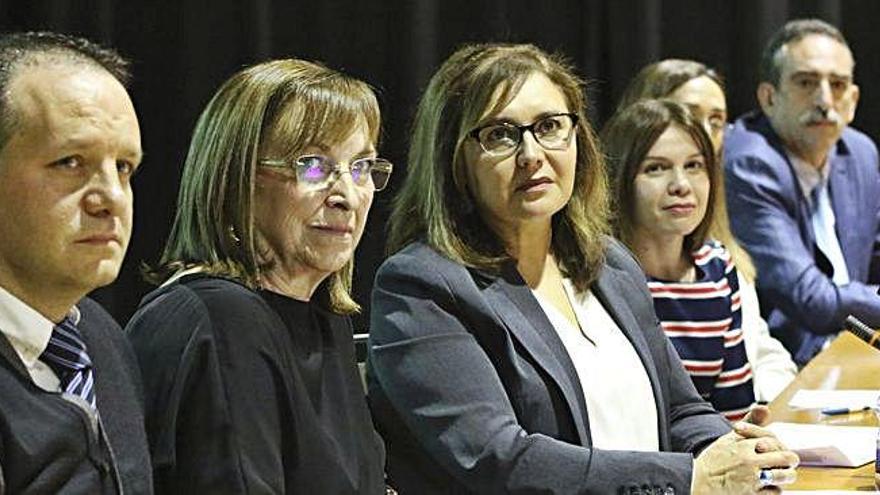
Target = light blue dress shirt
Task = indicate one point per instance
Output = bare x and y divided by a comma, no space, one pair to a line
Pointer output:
814,184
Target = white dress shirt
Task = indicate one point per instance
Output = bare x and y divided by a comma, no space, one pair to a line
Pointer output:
28,333
617,391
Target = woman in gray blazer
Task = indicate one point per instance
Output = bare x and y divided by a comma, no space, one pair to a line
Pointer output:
513,345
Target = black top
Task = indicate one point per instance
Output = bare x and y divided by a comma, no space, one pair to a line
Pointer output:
52,444
252,392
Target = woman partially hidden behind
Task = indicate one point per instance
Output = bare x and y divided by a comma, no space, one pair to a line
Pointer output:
246,348
701,90
513,345
669,195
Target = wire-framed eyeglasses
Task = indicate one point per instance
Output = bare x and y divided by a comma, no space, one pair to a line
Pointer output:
553,132
319,170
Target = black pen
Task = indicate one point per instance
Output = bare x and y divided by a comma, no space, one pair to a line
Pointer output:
843,410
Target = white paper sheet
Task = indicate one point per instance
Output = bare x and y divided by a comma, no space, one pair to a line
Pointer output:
824,445
827,492
833,399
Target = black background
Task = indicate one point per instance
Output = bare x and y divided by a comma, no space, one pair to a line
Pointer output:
183,50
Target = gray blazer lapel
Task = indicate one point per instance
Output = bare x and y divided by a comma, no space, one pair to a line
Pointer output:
610,289
516,306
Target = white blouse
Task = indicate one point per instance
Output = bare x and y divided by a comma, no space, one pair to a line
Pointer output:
618,394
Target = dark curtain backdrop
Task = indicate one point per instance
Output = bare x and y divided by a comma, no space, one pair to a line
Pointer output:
183,50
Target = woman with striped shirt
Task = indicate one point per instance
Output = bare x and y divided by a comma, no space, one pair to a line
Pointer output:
668,189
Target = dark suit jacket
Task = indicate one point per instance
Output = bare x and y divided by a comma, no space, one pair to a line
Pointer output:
50,444
474,392
771,218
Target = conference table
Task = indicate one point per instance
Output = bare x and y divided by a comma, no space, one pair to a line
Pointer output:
848,363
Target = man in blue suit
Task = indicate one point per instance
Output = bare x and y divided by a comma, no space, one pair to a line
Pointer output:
804,190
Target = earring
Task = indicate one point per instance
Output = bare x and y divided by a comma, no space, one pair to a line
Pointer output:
232,234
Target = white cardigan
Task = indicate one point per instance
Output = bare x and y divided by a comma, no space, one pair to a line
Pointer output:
772,366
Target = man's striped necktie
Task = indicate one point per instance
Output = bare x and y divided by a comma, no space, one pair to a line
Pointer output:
67,356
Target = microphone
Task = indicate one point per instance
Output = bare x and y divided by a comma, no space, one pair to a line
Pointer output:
862,331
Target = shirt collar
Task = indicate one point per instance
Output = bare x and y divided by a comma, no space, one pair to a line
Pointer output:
808,176
25,328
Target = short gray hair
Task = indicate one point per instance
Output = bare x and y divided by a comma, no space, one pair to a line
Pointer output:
795,30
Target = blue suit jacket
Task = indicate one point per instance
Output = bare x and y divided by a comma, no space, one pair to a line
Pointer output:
771,218
474,392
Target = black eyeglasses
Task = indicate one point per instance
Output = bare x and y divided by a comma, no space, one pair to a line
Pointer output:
319,170
553,132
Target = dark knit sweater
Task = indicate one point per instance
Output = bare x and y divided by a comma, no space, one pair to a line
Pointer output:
50,444
252,392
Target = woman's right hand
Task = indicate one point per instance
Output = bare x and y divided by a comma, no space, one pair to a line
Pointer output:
733,463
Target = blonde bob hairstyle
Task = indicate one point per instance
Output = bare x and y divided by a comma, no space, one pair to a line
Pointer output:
629,136
436,205
289,104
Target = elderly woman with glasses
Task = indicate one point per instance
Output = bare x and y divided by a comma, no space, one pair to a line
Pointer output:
513,345
246,348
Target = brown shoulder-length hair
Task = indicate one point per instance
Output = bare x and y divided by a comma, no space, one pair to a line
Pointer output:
435,203
629,136
289,104
660,80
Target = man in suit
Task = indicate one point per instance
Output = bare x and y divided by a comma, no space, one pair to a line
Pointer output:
71,417
804,190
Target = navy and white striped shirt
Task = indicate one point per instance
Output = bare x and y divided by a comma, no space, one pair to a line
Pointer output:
703,320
